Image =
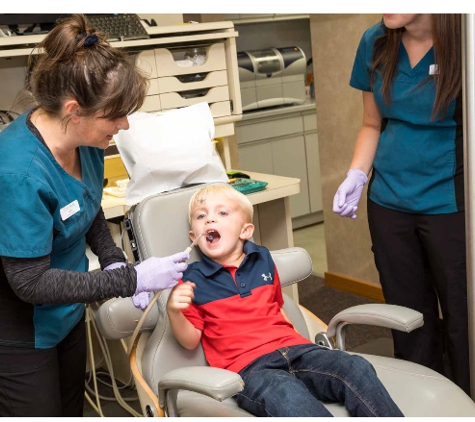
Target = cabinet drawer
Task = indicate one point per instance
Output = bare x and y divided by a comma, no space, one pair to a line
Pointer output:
145,60
186,98
192,81
151,103
167,61
221,109
153,87
310,122
269,129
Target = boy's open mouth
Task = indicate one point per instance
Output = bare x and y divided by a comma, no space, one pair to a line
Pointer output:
212,236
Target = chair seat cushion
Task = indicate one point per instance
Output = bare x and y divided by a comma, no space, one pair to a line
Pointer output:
418,391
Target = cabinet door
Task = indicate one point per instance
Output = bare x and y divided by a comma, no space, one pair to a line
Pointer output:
256,157
313,168
290,160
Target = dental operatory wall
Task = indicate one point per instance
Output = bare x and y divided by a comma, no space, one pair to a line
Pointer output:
335,38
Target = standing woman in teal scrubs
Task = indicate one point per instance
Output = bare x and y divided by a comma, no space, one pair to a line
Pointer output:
409,70
51,174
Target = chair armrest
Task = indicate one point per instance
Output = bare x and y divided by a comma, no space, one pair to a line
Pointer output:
216,383
382,315
117,318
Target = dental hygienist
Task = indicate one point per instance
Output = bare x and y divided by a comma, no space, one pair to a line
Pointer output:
51,174
409,70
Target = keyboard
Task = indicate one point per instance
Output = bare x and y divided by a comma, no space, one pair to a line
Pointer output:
119,26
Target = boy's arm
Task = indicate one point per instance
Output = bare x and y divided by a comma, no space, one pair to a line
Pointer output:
184,331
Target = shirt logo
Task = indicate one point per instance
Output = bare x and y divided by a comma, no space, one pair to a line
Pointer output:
266,277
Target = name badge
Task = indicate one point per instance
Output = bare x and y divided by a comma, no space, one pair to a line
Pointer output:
433,69
69,210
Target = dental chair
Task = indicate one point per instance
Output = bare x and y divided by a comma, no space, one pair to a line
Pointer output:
173,381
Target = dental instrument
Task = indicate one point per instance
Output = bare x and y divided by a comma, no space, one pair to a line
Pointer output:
193,244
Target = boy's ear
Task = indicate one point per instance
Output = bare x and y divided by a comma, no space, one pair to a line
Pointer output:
247,231
191,233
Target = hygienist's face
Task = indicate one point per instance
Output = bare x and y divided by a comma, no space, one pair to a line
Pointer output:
95,131
399,20
224,225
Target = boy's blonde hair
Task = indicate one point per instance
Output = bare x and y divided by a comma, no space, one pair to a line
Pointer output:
212,191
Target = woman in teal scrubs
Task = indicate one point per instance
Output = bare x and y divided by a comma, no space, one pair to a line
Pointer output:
409,70
51,175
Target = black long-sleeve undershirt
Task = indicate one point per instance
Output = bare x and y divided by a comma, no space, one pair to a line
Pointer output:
34,281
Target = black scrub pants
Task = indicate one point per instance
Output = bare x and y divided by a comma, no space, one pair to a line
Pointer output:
421,261
44,382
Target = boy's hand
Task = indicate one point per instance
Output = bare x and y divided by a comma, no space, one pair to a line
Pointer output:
181,296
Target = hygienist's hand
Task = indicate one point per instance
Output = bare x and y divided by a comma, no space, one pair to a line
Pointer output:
181,296
345,202
140,300
155,274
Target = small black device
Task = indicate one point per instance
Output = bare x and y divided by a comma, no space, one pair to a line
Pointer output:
120,26
38,23
232,174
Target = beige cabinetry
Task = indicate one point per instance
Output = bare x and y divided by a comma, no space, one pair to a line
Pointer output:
284,142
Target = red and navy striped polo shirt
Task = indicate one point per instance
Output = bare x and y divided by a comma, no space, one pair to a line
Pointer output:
238,309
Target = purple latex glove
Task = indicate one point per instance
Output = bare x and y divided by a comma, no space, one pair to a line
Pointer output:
140,300
345,202
160,273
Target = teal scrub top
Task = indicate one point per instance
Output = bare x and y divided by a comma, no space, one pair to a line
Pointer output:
44,210
418,167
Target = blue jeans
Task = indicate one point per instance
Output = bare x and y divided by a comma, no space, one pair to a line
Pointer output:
290,382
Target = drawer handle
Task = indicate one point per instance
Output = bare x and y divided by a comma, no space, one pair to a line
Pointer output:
194,77
196,93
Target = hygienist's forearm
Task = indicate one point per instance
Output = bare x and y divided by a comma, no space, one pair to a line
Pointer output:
185,332
33,281
365,149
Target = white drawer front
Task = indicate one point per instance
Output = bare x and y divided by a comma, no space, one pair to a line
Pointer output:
173,83
166,61
175,100
151,103
153,87
268,129
145,60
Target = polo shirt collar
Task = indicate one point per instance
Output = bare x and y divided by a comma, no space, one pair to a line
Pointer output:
208,267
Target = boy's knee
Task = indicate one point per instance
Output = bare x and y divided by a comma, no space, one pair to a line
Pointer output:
362,365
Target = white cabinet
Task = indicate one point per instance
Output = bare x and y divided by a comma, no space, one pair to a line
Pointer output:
284,142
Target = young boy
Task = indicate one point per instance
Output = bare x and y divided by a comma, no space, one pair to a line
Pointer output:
232,301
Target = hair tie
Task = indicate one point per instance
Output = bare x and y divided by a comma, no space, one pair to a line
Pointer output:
90,39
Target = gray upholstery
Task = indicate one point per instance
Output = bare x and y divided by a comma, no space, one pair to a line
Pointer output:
161,227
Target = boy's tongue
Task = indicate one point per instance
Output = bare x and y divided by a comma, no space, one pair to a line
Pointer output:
213,236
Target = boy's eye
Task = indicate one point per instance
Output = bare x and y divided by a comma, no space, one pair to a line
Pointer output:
223,213
200,216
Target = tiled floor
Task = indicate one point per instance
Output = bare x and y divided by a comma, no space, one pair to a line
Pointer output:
312,238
